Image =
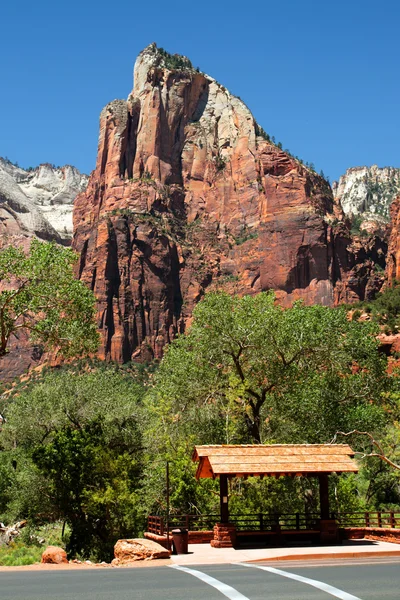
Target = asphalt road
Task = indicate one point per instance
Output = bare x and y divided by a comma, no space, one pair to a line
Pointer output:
362,580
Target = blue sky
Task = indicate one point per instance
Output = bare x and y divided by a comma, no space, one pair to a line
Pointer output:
321,76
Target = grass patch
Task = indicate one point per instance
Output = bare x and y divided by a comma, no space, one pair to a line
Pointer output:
28,548
17,554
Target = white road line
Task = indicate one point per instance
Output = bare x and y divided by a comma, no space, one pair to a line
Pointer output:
226,590
325,587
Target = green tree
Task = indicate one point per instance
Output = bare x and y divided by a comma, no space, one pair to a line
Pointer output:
248,370
78,437
386,308
39,294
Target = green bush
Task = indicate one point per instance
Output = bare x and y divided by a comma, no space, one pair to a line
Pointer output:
17,554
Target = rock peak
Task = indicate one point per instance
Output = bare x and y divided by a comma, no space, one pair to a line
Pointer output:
164,59
152,58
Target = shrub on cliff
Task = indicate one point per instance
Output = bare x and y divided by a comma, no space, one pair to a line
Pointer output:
386,308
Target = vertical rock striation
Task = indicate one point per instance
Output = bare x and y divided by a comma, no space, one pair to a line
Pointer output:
393,254
189,194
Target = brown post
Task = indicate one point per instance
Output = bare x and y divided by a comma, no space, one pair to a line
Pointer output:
223,498
328,526
392,520
324,496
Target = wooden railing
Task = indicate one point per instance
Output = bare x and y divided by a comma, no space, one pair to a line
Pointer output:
158,524
370,519
268,522
272,522
155,524
250,522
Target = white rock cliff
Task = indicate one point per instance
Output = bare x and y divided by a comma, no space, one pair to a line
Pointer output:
39,201
368,191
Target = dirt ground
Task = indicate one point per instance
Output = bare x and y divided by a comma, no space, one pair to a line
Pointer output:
159,562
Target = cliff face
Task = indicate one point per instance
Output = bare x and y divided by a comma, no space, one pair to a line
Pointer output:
368,192
393,255
188,196
39,201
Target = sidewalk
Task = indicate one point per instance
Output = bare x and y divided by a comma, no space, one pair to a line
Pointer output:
204,554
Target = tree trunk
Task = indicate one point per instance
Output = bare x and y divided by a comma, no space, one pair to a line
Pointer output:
253,427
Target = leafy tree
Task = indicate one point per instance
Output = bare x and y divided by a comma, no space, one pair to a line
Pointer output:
39,294
386,308
249,370
77,435
380,457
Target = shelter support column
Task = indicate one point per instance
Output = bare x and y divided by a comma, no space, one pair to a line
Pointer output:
223,498
224,532
329,529
324,496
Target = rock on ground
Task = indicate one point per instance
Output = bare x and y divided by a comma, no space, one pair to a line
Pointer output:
126,551
54,555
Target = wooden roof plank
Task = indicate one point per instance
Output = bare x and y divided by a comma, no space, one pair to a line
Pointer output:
278,450
271,460
276,460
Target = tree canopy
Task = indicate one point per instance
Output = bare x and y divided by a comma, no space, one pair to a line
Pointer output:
40,294
272,374
75,440
88,443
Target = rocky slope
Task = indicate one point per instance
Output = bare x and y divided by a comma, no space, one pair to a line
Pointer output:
368,192
39,201
35,202
188,195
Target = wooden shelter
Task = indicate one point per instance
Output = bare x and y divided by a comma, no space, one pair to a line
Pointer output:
276,460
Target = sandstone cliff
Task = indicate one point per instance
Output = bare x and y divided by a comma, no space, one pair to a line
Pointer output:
38,201
367,192
393,254
189,194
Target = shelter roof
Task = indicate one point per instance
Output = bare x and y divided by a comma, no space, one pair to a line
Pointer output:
273,459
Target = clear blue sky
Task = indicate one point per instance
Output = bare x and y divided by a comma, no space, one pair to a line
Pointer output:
322,76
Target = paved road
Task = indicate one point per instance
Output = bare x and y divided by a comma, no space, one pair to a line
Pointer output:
354,580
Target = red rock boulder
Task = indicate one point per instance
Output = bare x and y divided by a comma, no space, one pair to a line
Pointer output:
54,555
126,551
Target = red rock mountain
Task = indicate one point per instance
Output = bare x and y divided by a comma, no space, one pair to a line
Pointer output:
189,194
393,255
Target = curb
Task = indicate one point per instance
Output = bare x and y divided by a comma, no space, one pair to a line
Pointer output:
330,555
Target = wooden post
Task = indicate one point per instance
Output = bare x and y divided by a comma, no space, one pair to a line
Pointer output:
392,520
223,498
167,484
324,495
